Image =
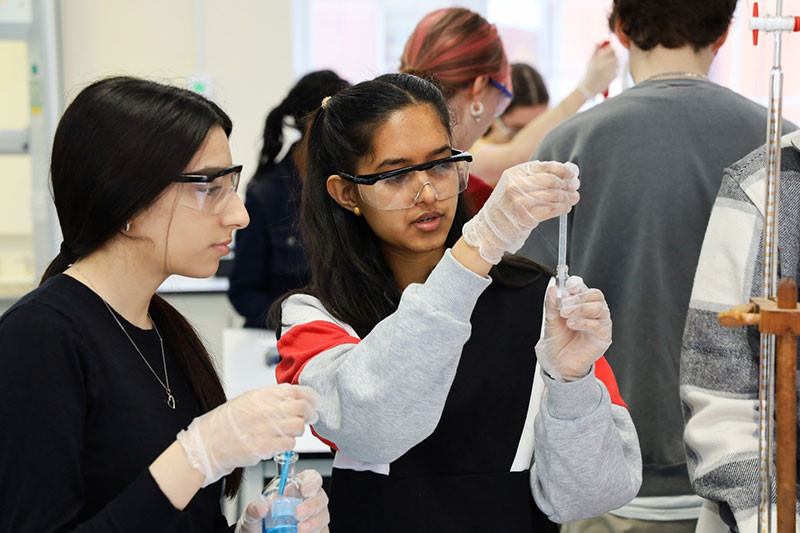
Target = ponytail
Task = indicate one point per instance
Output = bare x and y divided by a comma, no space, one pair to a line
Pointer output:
302,100
273,139
60,263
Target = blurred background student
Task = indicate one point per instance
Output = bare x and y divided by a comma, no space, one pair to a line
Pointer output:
269,259
515,135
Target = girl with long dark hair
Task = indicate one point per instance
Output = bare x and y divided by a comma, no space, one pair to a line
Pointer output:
98,374
419,336
269,259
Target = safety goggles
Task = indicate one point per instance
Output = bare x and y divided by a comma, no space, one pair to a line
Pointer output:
210,192
401,188
503,127
505,98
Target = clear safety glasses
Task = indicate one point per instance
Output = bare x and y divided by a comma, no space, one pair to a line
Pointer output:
210,192
505,97
503,127
401,188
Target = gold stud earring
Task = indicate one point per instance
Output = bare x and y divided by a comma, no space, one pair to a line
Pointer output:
357,212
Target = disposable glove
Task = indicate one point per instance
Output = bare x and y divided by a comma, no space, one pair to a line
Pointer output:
576,335
312,513
526,194
600,72
248,429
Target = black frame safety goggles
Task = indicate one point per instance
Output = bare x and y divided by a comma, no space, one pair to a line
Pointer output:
208,178
371,179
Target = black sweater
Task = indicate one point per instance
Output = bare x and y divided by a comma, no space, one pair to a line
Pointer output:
82,418
269,259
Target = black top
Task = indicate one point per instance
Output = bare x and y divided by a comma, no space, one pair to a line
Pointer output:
269,260
449,482
82,418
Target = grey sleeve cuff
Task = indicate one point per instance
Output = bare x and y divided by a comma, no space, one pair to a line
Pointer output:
453,288
567,401
587,457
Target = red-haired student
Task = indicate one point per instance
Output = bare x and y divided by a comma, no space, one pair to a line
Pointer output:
463,53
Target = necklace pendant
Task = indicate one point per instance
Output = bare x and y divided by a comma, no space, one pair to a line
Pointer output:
170,400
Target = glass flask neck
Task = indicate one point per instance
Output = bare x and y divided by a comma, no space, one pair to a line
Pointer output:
286,461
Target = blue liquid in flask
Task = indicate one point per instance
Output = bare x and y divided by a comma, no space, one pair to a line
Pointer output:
280,517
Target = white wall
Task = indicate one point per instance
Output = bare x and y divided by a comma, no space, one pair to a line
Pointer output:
244,45
16,222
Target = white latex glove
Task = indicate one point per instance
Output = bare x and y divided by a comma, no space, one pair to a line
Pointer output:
526,194
248,429
576,335
600,72
312,513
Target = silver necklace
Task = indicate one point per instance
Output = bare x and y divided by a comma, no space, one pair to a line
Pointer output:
170,397
677,74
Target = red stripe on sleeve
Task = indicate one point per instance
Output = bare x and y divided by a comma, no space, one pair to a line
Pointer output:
603,372
326,441
302,343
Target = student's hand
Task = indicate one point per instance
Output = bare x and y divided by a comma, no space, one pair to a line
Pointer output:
250,521
248,429
312,514
600,72
526,194
576,335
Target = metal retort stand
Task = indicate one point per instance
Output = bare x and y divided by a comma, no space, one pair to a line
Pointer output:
777,315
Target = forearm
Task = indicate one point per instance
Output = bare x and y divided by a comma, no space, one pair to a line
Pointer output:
492,159
470,258
719,379
587,453
177,478
528,139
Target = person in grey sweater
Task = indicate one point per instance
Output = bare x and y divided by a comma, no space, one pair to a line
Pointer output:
719,366
420,337
651,162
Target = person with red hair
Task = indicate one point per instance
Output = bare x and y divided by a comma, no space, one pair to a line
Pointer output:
463,53
460,51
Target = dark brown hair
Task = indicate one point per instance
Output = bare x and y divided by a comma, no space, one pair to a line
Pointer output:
672,23
529,87
302,99
349,274
117,147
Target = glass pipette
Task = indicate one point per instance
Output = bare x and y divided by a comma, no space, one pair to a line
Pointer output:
562,271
